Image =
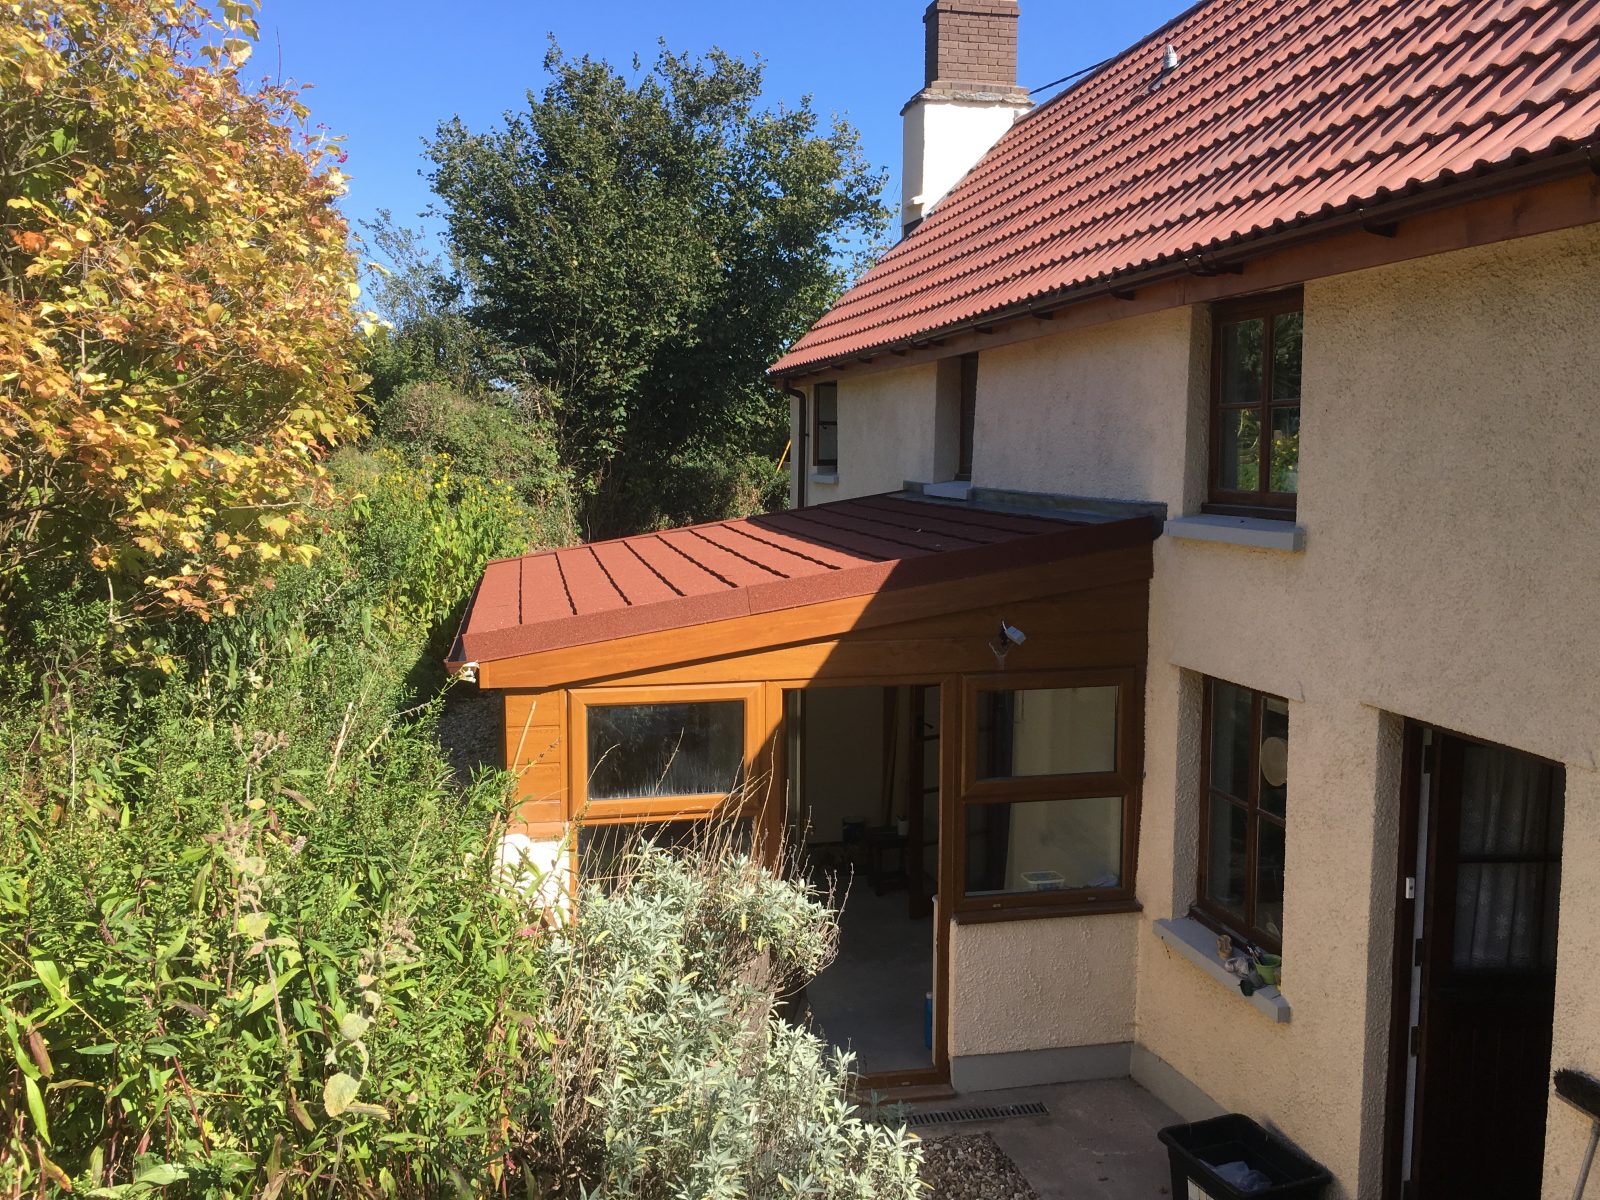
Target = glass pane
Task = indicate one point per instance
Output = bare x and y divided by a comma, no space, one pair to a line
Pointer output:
604,850
1225,856
1505,804
1240,376
1232,729
1047,731
642,750
1501,916
1239,450
827,452
1285,450
1286,355
1269,879
1044,846
1274,754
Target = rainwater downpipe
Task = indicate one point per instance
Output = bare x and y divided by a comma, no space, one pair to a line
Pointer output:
800,457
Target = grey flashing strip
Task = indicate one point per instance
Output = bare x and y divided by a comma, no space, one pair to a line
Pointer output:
1082,509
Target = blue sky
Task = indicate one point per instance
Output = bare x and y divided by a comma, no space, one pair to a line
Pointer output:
386,73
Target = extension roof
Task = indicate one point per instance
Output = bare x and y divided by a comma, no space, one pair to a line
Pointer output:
758,565
1281,113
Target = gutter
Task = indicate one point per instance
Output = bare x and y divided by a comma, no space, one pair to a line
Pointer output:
1230,257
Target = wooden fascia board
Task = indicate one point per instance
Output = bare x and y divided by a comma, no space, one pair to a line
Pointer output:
620,657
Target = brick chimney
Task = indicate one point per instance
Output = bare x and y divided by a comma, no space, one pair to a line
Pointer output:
968,99
972,46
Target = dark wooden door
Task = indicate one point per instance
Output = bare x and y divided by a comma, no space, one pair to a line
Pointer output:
1488,973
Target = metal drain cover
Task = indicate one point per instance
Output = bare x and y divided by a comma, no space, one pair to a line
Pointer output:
955,1116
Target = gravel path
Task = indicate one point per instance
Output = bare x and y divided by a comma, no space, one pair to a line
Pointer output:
971,1167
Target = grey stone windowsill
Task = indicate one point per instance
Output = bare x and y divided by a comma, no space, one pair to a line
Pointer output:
1198,944
824,477
1262,533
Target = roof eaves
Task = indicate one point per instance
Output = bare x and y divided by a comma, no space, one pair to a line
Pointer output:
1559,160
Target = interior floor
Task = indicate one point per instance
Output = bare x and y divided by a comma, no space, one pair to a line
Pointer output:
872,999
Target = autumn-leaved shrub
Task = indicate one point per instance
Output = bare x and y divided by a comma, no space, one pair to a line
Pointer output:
178,343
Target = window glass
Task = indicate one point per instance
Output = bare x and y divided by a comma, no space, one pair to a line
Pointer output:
1231,731
1047,731
604,850
1269,879
1285,450
1273,756
1242,346
1226,844
827,400
1256,404
1039,846
1286,329
646,750
1243,806
1239,449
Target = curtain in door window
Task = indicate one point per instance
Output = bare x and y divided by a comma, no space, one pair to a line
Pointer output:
1510,866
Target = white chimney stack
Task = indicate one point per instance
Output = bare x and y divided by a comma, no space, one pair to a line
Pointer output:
968,99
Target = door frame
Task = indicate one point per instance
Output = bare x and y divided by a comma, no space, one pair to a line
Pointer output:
936,1075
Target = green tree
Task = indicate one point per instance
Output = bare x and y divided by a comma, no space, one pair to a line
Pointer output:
647,248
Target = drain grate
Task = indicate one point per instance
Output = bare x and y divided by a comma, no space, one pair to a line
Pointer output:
955,1116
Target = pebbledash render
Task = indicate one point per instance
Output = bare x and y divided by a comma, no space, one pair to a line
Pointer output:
1195,534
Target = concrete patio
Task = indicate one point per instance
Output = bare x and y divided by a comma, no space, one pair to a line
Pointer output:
1097,1143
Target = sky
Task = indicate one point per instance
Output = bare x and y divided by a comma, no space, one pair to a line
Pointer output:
386,73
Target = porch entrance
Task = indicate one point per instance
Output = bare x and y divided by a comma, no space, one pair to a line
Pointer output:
863,807
1475,1009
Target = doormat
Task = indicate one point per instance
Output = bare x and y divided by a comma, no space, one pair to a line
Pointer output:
956,1116
971,1167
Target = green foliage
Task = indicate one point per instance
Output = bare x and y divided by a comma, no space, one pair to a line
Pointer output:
421,532
503,437
674,1077
250,933
644,250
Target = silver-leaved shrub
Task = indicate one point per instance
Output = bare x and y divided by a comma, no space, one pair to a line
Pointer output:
674,1076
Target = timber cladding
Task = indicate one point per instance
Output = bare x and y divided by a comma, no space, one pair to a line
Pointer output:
1091,628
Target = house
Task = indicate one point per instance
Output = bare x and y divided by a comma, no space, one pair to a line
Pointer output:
1196,533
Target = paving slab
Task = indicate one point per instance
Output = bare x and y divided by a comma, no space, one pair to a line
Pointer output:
1097,1143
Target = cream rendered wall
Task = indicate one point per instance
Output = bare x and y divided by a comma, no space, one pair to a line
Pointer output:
1450,486
1039,985
887,424
1093,412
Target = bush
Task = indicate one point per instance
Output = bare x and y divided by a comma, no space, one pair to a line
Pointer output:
502,438
674,1077
250,938
263,952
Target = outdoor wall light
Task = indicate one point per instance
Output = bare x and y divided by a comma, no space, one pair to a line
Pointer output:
1005,641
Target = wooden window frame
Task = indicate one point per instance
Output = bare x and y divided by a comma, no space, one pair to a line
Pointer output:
824,464
1258,503
642,809
1212,915
1125,781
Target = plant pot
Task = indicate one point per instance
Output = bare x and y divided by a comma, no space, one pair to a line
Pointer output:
1270,968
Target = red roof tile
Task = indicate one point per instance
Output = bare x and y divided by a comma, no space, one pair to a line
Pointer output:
1280,113
765,564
